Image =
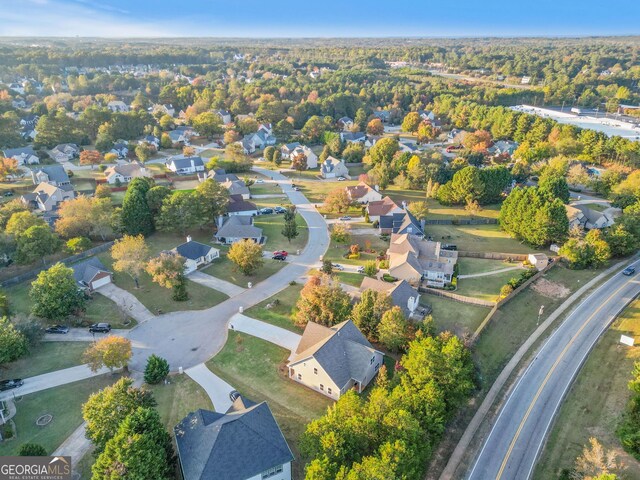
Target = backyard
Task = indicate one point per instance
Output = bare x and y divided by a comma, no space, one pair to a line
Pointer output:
477,238
487,287
460,318
177,398
470,266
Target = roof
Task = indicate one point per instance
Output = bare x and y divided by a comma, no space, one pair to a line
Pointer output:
342,351
237,445
358,191
291,146
345,120
133,169
353,136
238,204
378,208
16,152
236,187
330,164
180,161
239,226
421,255
193,250
400,291
86,270
56,173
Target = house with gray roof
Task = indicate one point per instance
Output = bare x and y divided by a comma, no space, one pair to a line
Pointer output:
121,149
352,137
401,293
91,274
196,254
240,206
185,165
287,149
23,155
245,443
64,152
47,197
125,173
237,227
53,174
332,360
400,222
333,168
345,123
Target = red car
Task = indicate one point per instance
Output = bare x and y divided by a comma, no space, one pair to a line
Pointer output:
284,253
451,148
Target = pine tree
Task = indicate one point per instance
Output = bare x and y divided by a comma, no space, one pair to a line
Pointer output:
136,215
290,228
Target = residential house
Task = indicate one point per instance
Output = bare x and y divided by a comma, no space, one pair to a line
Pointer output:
503,147
47,197
413,259
332,360
408,147
117,106
18,103
404,222
538,260
121,149
53,174
427,115
401,293
333,168
185,165
345,124
586,218
353,137
240,206
312,158
119,174
248,144
196,254
363,193
383,115
244,443
30,120
64,152
287,149
235,228
181,135
166,109
225,116
28,133
381,208
150,140
237,187
91,274
262,138
23,155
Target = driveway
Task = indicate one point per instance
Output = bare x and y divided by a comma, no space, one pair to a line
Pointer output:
126,301
53,379
279,336
217,389
216,283
82,335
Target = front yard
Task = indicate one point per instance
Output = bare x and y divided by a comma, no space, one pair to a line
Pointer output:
271,226
179,397
46,357
374,242
280,314
224,269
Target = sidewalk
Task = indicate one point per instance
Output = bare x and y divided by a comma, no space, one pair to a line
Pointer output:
494,272
215,283
217,389
266,331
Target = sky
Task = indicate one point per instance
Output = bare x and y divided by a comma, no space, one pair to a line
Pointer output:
318,18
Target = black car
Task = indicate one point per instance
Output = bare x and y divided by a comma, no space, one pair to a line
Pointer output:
10,384
449,246
100,328
280,257
58,329
8,194
629,271
280,210
266,211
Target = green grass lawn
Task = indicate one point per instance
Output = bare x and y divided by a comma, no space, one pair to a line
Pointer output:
98,308
223,268
350,278
470,266
271,226
317,191
63,403
46,357
337,250
477,238
485,288
266,189
256,368
598,207
279,315
181,396
595,402
211,152
460,318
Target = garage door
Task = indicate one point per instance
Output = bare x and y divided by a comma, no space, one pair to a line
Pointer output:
99,282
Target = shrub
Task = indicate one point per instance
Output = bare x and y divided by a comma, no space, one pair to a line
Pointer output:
156,370
32,450
383,264
78,244
370,268
353,256
388,278
506,290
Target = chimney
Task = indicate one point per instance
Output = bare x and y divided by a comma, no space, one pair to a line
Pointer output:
188,238
220,221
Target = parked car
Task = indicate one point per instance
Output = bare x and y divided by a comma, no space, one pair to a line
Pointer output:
266,211
337,266
360,269
451,148
8,194
282,258
296,189
100,328
345,218
629,271
449,246
259,181
57,329
10,384
280,209
341,179
284,253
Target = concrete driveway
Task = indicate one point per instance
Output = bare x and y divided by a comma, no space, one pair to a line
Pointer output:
217,389
82,335
215,283
279,336
126,301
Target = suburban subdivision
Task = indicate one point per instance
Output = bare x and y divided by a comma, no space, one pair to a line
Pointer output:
238,248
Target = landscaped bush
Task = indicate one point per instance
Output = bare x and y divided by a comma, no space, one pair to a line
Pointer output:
78,244
156,370
524,276
353,256
389,278
383,264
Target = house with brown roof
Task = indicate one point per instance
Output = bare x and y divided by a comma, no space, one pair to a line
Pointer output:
384,207
413,259
401,293
125,173
332,360
239,206
363,193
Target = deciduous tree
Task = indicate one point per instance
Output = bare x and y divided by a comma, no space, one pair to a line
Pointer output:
37,242
111,352
54,293
130,255
13,344
322,301
337,201
375,127
393,329
91,157
246,255
167,270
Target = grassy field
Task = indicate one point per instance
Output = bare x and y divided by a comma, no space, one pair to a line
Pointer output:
279,315
316,191
63,403
98,308
223,268
460,318
477,238
350,278
485,288
598,207
271,226
46,357
176,399
594,404
256,368
265,189
336,250
470,266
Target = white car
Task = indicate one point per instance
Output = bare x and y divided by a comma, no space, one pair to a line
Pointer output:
337,266
260,181
341,179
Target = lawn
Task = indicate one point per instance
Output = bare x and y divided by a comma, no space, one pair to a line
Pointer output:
470,266
211,152
266,189
63,403
485,288
337,250
279,315
98,308
477,238
317,191
223,268
271,226
460,318
595,402
46,357
350,278
179,397
598,207
256,368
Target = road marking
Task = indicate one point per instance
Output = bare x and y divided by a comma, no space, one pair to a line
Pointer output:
546,379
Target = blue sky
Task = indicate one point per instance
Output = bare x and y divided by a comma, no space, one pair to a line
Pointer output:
319,18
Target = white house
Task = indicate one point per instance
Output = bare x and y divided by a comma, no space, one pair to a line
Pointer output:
312,158
120,149
333,168
287,149
64,152
413,259
225,116
53,174
333,360
185,165
91,274
345,123
240,206
363,193
47,197
23,155
117,106
353,137
196,254
381,208
235,228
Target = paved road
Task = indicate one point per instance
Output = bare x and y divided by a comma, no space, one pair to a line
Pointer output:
189,338
518,434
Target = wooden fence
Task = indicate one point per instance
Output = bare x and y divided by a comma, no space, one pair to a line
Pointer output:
493,255
458,298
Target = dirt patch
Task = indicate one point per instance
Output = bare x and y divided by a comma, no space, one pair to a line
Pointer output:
550,289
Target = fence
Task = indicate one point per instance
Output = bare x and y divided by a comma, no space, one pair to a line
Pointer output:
493,255
73,258
462,221
456,297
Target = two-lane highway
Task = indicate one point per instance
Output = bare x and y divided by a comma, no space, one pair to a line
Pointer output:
519,432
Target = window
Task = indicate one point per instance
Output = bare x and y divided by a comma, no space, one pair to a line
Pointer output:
329,390
377,366
372,359
271,472
299,376
321,387
315,371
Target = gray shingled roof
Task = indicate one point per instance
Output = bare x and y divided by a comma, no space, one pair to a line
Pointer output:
237,445
193,250
239,204
13,152
56,173
239,227
86,270
185,162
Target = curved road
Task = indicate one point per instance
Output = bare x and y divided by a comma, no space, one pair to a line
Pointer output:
189,338
518,434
